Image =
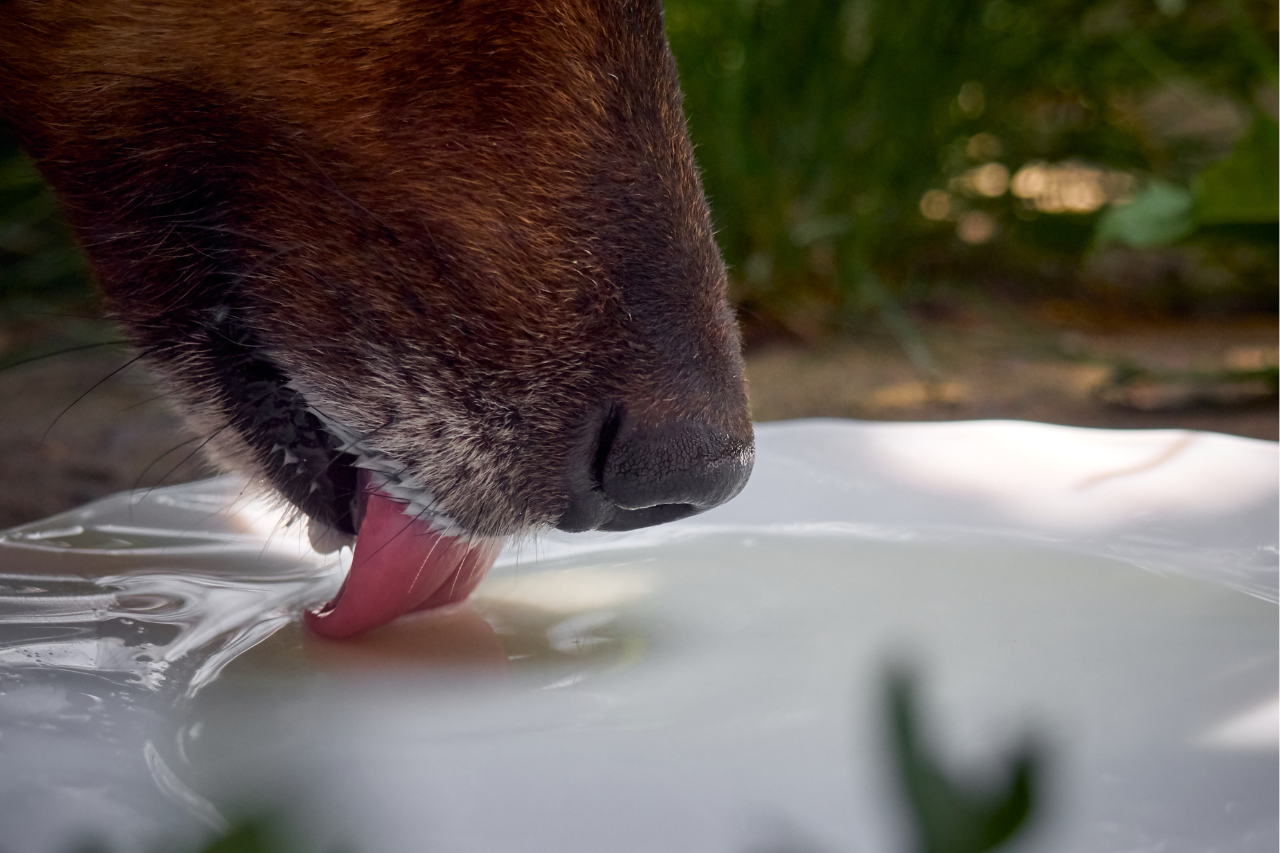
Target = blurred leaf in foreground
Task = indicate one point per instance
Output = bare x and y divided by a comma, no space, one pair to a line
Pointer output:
261,834
951,816
249,836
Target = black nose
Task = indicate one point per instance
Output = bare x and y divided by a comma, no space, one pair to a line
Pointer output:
647,474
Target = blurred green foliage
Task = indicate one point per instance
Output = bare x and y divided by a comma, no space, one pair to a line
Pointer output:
1245,187
1240,190
822,124
858,152
253,835
39,261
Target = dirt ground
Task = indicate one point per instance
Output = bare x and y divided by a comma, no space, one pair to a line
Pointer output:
82,425
1215,375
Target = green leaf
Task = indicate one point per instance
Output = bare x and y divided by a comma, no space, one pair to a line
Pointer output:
950,816
264,833
1159,215
1245,187
249,836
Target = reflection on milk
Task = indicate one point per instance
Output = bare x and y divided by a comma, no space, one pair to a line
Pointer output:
673,688
1256,729
1033,477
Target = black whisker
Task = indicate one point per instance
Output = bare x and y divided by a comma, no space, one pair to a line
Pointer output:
61,315
146,401
138,482
203,444
187,458
95,386
66,351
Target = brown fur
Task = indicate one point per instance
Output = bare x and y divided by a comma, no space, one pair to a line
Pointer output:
466,234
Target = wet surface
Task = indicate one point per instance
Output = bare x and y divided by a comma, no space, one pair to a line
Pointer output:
691,687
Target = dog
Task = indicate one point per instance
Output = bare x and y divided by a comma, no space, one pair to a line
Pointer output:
436,272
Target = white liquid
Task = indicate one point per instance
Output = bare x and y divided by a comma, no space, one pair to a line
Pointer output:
693,687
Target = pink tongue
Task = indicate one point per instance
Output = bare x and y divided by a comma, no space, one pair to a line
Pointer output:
401,566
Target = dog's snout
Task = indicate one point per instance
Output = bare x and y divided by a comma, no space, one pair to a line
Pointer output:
649,474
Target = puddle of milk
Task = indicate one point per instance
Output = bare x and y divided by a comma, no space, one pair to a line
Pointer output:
694,687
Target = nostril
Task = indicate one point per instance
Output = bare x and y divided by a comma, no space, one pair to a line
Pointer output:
675,463
628,474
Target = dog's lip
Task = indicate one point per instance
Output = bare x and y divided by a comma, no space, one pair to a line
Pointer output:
632,519
591,510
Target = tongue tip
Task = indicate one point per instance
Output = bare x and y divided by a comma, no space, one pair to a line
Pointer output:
400,565
318,622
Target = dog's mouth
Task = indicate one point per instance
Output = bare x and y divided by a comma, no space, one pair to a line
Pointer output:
403,563
408,555
309,428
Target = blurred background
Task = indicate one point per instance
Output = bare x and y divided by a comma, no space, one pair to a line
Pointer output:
1057,210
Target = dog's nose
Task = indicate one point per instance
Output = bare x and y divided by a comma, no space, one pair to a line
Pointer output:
674,463
653,473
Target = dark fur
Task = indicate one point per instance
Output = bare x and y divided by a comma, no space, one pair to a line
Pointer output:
468,234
